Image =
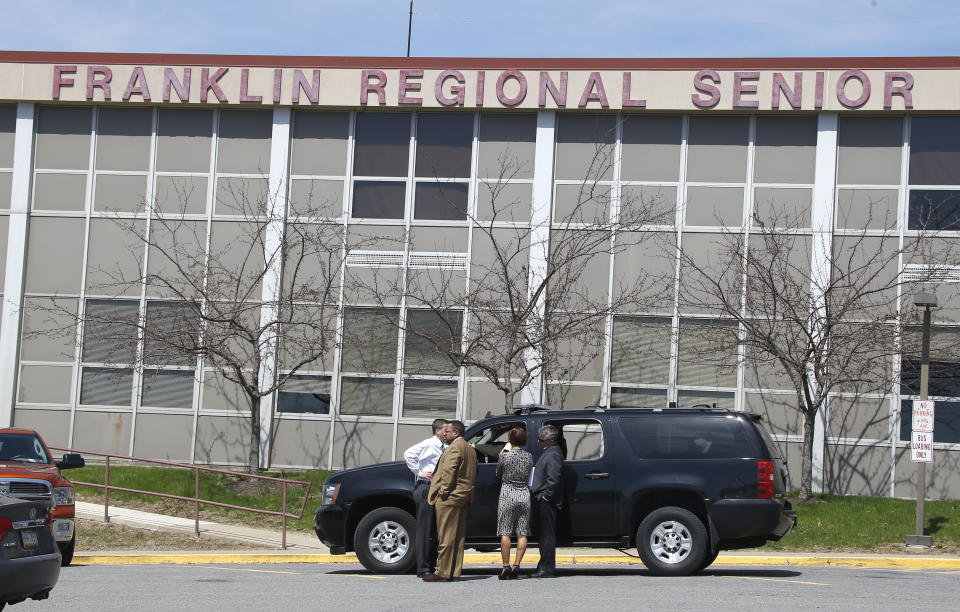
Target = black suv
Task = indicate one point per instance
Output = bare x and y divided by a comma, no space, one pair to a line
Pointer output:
680,484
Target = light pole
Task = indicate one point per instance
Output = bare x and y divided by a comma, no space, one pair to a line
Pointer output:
927,301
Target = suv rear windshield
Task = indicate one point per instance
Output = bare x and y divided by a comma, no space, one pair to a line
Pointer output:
22,447
665,436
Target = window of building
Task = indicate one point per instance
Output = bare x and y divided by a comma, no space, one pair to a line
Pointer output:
370,340
934,209
934,151
429,398
430,338
707,353
172,329
641,350
946,422
303,394
366,396
944,361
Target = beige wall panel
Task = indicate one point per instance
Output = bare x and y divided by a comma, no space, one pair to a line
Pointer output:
584,203
102,432
785,149
376,237
244,145
183,140
163,436
788,208
644,265
248,197
779,411
408,435
59,191
319,143
53,425
123,138
651,148
717,149
719,206
867,208
859,418
6,183
41,384
507,146
180,241
237,252
942,476
49,329
370,286
8,128
115,257
120,193
581,358
221,394
55,255
357,443
648,205
482,397
498,201
708,255
869,150
181,195
302,443
793,454
572,397
442,239
315,197
857,470
63,137
764,374
222,440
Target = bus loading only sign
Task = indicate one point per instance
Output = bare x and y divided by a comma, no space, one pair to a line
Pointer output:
921,436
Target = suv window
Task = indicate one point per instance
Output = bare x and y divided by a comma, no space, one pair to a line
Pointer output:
666,436
580,439
489,441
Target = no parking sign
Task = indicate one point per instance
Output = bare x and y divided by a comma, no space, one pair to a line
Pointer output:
921,438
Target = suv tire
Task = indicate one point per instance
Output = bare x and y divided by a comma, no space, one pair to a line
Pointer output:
672,541
384,541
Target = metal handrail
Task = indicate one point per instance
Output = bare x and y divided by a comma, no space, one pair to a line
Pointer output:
107,487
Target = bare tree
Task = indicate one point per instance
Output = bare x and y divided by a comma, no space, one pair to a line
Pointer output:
514,325
205,301
820,312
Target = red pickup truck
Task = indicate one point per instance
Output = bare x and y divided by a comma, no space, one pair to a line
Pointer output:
28,471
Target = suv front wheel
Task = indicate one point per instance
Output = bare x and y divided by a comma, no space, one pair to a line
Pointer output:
672,541
384,541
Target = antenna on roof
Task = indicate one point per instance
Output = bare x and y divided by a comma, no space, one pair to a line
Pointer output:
409,28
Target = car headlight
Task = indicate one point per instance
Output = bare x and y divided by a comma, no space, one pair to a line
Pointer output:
63,496
329,496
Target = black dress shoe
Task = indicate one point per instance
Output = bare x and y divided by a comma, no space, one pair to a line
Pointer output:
434,578
543,574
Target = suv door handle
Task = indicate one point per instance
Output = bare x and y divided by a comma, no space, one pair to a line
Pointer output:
597,475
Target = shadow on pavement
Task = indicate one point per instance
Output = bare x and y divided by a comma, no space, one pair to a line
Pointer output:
570,572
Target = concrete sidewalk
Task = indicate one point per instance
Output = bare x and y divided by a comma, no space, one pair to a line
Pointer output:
306,548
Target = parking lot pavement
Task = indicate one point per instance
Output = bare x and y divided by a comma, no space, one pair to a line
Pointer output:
349,587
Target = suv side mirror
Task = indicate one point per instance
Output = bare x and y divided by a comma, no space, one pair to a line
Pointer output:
70,461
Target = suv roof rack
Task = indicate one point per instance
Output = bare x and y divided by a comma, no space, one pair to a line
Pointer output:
519,409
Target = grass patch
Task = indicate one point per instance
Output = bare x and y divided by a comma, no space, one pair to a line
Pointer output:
95,536
223,488
880,524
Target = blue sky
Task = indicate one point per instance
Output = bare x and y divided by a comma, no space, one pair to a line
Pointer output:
491,28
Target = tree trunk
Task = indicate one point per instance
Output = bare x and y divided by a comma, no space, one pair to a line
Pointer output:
507,402
253,459
806,474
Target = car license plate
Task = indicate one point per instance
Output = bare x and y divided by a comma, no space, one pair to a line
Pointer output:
29,538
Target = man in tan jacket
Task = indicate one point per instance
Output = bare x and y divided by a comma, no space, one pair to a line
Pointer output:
451,492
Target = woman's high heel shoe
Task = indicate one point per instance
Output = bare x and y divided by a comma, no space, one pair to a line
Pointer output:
505,573
515,572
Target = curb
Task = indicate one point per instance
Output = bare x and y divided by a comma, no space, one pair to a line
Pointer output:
266,558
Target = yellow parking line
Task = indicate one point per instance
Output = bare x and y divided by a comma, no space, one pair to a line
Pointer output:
777,580
246,569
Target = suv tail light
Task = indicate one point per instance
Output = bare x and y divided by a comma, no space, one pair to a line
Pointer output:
764,479
5,525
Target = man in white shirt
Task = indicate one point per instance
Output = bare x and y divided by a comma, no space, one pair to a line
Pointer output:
422,459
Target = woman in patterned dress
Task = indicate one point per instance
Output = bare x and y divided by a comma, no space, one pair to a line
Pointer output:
513,511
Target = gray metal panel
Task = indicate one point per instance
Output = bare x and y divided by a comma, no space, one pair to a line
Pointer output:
717,149
722,206
319,143
222,440
482,397
857,470
163,436
785,150
6,184
408,435
788,208
54,255
59,191
300,442
42,384
115,257
181,195
867,209
63,137
357,443
249,197
53,425
314,197
869,150
123,138
498,201
651,148
572,397
507,145
244,145
8,128
49,329
183,140
120,193
103,432
781,417
862,418
585,147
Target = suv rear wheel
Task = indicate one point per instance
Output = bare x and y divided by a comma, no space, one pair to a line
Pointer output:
384,541
672,542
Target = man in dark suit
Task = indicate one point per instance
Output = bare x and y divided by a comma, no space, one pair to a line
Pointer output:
547,489
451,493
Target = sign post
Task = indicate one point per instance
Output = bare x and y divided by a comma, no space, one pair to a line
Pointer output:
921,437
